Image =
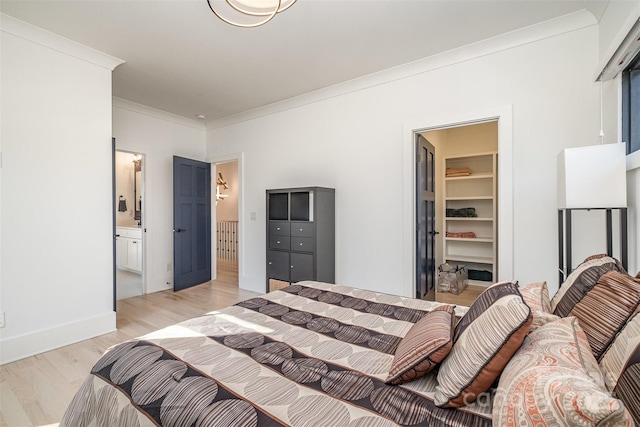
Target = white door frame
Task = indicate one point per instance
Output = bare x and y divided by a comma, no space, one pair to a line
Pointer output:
504,116
225,158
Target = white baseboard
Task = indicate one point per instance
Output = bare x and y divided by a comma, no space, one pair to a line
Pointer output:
159,283
15,348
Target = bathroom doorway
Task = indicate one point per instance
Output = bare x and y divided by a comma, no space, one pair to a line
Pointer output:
226,213
129,214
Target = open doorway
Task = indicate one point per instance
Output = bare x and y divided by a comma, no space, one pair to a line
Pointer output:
227,226
129,236
466,210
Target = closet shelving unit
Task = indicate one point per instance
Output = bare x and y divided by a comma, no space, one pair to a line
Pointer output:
479,191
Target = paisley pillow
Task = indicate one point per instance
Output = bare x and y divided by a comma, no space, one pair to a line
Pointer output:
554,380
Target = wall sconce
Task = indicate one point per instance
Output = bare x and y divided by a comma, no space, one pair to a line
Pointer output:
220,182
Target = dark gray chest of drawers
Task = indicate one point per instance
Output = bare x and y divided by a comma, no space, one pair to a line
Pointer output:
300,235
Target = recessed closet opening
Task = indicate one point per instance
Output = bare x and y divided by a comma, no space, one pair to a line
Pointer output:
466,207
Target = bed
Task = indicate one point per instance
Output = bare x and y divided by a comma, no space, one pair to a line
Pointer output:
311,354
318,354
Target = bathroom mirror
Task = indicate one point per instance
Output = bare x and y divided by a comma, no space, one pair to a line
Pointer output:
137,190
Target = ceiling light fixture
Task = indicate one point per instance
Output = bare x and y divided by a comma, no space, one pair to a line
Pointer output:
248,13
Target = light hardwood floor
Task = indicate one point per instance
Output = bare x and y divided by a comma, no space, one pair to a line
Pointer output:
35,391
466,297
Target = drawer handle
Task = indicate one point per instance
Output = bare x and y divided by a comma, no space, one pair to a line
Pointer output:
300,244
278,228
292,266
277,242
270,263
301,229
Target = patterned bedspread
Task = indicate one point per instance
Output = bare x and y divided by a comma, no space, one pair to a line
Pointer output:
311,354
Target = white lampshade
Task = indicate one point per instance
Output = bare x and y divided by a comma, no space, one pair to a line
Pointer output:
592,177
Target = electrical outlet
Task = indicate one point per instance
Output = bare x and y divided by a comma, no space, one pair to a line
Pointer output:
2,320
168,266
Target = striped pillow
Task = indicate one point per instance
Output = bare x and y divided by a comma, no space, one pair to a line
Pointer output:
605,309
553,380
621,366
580,281
484,341
628,387
424,346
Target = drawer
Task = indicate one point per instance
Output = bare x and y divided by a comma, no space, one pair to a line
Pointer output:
278,242
278,228
302,229
302,244
133,233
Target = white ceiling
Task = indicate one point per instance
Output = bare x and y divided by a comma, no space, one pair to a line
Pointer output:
180,58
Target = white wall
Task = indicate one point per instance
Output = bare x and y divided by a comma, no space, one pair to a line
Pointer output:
350,137
616,22
56,260
159,136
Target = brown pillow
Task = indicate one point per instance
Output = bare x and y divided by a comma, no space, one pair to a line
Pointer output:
484,341
425,345
605,309
621,366
581,281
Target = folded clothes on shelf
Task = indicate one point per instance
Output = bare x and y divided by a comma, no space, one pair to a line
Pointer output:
462,235
450,172
484,275
462,212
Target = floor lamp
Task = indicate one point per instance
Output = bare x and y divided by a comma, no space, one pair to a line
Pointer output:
591,178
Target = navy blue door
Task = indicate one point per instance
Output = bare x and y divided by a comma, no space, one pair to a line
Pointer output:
191,222
426,220
113,216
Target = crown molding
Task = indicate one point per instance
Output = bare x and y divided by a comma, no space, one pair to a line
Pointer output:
26,31
156,113
544,30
